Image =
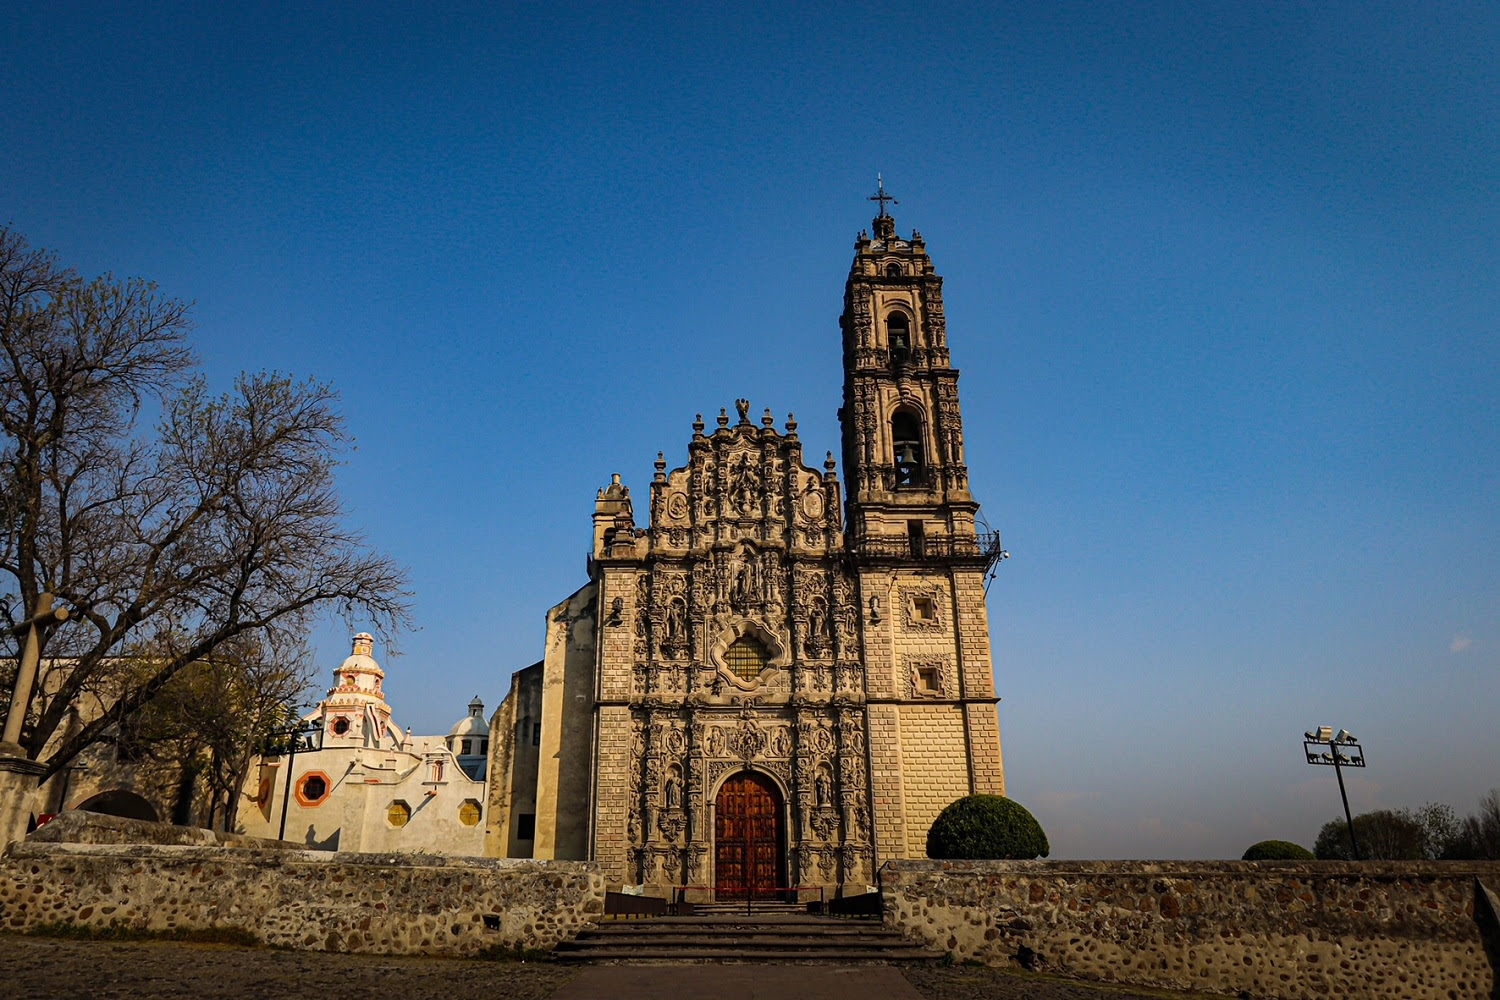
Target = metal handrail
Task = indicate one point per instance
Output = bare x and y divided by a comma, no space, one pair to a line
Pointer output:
982,545
678,890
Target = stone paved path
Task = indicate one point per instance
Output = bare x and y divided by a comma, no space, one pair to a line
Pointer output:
115,970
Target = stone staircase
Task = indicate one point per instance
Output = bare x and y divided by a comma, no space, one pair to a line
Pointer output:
724,937
760,908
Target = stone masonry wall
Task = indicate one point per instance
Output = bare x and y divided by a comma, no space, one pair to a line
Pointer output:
934,767
308,900
1292,930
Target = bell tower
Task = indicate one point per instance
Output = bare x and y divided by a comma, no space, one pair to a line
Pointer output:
911,542
903,430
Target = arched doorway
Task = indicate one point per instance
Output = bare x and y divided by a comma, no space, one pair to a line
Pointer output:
119,802
748,838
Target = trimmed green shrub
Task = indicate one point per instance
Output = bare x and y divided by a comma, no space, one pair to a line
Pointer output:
986,827
1277,850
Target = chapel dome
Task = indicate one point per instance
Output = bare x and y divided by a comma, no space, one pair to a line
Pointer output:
472,724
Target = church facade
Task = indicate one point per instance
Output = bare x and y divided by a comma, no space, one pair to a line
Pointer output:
773,678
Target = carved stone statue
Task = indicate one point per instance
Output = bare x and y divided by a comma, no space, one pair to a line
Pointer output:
746,587
676,622
744,485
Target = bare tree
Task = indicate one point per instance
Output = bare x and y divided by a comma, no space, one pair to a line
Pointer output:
223,524
1478,835
260,684
205,725
1392,835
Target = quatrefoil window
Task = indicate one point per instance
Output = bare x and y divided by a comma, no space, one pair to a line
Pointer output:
746,658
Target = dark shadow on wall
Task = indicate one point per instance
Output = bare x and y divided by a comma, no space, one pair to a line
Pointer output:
119,802
1487,915
329,843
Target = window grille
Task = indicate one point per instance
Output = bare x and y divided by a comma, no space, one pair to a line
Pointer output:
746,658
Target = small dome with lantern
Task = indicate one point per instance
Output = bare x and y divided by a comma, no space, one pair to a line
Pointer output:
469,740
355,710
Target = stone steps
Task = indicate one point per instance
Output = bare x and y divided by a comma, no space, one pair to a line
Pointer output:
758,908
725,938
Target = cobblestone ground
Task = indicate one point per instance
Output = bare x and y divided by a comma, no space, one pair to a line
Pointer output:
962,982
136,970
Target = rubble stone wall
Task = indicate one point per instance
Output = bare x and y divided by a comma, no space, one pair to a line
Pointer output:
309,900
1291,930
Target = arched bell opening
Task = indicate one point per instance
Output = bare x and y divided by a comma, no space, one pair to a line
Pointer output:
898,337
908,454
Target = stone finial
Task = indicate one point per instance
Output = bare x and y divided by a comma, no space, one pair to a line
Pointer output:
830,464
723,417
698,426
791,425
661,467
766,420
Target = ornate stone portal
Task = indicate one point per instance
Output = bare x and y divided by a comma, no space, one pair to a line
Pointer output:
745,655
741,631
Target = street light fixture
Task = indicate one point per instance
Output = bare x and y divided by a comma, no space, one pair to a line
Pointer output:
1339,751
300,737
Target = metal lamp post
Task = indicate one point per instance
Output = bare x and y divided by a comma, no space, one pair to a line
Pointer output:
303,737
1338,751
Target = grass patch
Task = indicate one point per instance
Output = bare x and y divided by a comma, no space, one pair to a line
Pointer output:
120,931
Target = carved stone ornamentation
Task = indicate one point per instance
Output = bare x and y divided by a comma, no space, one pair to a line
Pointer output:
671,823
825,822
642,635
715,744
925,608
744,485
816,643
674,643
747,740
929,676
633,824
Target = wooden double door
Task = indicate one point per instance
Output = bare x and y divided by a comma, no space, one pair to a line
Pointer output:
749,841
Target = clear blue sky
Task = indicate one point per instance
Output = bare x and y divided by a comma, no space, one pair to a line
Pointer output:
1221,279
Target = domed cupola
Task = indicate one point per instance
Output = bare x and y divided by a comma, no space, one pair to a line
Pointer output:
355,711
469,740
